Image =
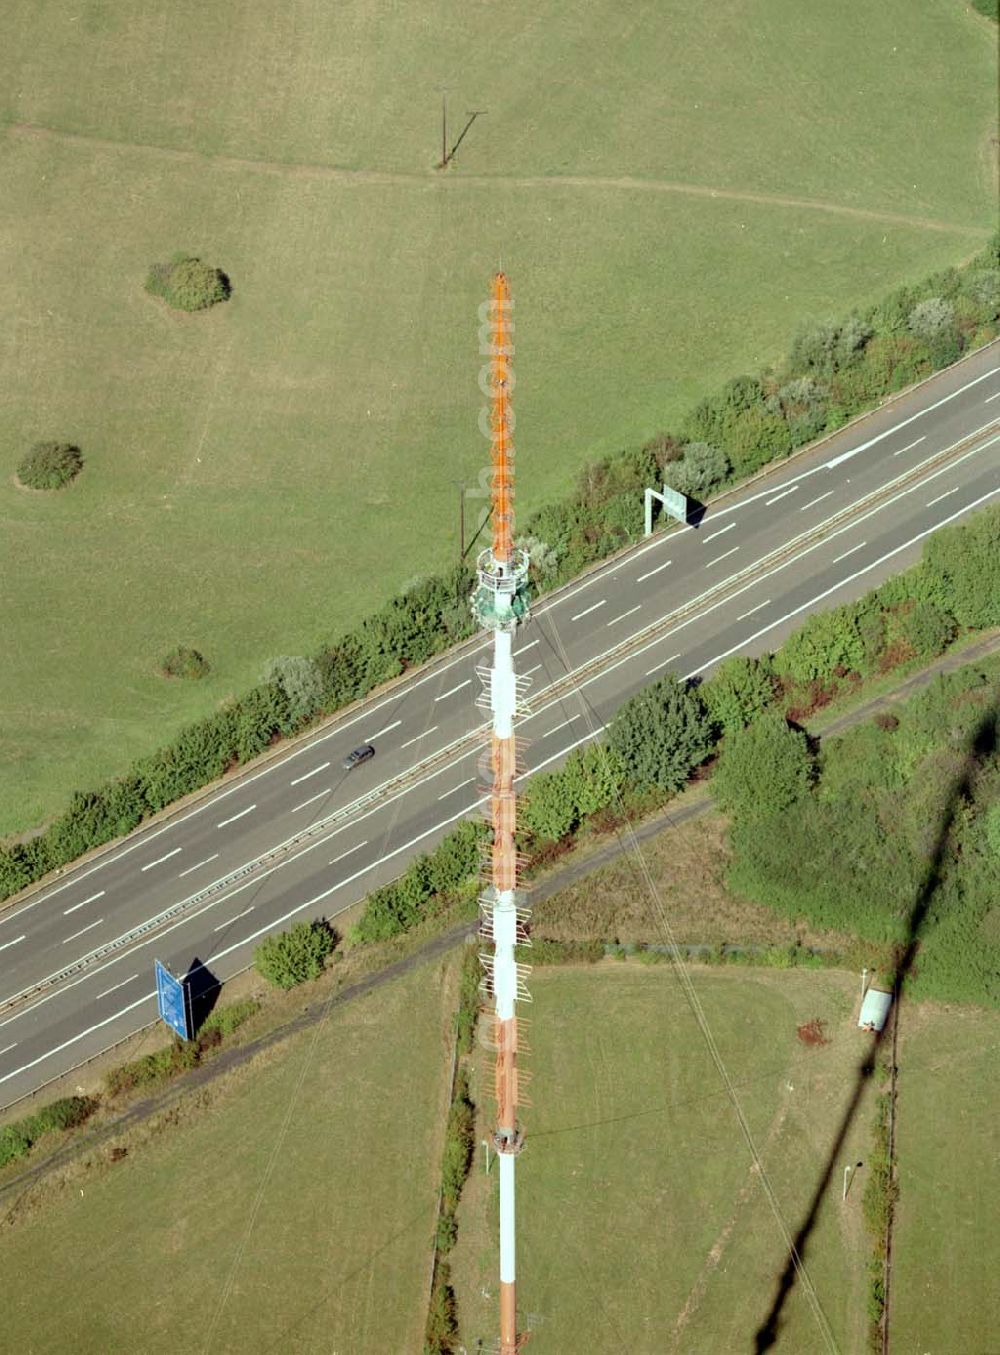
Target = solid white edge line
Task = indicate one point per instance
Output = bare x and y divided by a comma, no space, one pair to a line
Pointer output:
690,619
523,776
74,1039
596,677
213,799
928,531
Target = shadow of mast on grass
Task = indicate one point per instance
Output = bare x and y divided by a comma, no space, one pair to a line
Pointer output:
981,744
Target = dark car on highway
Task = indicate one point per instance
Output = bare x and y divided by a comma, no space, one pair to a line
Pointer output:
361,754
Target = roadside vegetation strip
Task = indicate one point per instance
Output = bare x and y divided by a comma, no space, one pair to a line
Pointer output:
441,1331
837,366
164,1068
346,1215
564,873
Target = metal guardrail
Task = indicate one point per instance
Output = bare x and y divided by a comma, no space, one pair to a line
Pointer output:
722,590
287,849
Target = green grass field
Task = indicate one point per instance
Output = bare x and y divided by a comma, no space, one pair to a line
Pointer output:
671,194
641,1224
292,1209
944,1293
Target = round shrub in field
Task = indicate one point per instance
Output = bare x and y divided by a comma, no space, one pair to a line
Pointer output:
289,958
50,465
184,663
188,284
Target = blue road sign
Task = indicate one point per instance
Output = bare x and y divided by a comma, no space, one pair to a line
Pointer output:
173,1001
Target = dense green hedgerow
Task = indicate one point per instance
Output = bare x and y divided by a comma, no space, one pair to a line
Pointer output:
833,371
50,465
188,284
17,1139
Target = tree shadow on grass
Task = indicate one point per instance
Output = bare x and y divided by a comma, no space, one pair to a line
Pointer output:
981,744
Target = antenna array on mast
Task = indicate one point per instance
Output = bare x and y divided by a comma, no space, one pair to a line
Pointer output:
500,603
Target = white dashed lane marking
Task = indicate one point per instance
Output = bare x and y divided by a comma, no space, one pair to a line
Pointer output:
99,895
432,730
944,496
721,532
249,810
812,502
89,928
108,991
223,925
349,852
837,559
191,869
306,775
388,730
580,615
657,666
666,565
768,502
719,558
160,859
452,690
910,446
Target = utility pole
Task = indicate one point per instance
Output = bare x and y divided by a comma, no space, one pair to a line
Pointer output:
461,519
444,131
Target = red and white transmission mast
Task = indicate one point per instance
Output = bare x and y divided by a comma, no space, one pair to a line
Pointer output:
500,602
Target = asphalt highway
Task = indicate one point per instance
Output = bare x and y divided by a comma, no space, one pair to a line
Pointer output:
819,529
